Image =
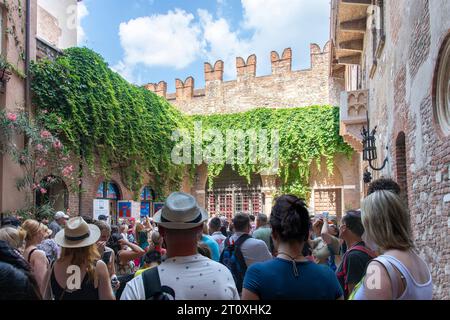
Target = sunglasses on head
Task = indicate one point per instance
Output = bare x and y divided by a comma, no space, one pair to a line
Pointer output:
354,213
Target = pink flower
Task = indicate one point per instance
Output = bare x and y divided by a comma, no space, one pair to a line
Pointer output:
43,191
45,134
67,171
44,111
57,144
39,147
41,163
11,116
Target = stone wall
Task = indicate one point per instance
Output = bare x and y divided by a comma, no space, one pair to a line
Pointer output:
284,88
401,100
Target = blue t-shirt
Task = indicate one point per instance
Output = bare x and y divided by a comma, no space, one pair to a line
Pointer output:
213,247
275,280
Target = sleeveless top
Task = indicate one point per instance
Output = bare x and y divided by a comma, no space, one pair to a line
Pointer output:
87,291
413,290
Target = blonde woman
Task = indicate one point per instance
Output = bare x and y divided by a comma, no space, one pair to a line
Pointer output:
14,237
399,273
36,233
141,235
79,252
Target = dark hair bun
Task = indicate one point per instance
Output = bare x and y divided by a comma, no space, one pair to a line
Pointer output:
290,218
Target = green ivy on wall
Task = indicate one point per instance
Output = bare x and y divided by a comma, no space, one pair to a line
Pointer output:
99,115
305,135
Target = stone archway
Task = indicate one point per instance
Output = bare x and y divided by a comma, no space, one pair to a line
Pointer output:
231,194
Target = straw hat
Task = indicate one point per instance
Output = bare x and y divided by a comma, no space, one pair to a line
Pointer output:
77,234
180,211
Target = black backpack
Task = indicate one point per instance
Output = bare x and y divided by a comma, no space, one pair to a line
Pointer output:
152,286
233,259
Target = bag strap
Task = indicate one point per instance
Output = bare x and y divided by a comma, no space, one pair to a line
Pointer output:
343,273
48,292
238,252
29,255
152,282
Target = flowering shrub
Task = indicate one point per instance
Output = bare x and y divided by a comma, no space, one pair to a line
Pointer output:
43,156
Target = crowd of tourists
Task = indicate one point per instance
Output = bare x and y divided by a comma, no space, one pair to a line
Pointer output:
182,253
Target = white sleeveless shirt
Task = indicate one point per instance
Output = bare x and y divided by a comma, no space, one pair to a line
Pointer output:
413,290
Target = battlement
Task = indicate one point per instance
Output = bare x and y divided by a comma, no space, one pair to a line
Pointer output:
245,71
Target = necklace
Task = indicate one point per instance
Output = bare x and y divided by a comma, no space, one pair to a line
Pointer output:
294,265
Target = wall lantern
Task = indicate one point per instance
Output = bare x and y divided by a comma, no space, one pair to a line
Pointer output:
369,147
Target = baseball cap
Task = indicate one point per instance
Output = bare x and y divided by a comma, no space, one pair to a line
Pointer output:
103,217
60,215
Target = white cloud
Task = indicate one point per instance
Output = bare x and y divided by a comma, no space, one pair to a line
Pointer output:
168,40
177,38
82,13
272,25
220,42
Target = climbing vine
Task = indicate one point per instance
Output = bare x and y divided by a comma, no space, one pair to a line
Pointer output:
304,135
99,115
15,31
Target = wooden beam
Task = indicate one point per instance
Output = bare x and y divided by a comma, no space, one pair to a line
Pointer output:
359,25
358,2
353,45
351,60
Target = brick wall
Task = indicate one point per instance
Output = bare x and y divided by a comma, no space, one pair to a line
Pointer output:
401,101
284,88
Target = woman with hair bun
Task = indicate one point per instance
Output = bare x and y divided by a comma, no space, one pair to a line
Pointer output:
290,276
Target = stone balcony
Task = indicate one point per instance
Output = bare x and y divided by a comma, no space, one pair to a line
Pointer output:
353,117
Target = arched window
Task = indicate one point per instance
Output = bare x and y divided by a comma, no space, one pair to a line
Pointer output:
108,190
441,92
147,196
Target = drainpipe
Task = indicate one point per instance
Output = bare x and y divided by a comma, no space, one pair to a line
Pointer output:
27,57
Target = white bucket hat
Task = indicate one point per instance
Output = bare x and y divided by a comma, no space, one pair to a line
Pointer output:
180,211
77,234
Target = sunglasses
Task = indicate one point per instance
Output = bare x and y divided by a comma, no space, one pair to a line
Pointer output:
354,213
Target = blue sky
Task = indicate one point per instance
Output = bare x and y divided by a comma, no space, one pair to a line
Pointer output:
152,40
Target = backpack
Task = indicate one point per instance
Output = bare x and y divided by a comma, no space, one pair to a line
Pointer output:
233,259
152,286
343,273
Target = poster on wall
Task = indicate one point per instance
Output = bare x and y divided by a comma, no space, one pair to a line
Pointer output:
156,207
135,209
145,209
125,208
129,209
101,207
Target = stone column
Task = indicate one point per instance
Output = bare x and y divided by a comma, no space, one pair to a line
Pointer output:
268,189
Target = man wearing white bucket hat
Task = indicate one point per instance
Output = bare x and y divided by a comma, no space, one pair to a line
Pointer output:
185,274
